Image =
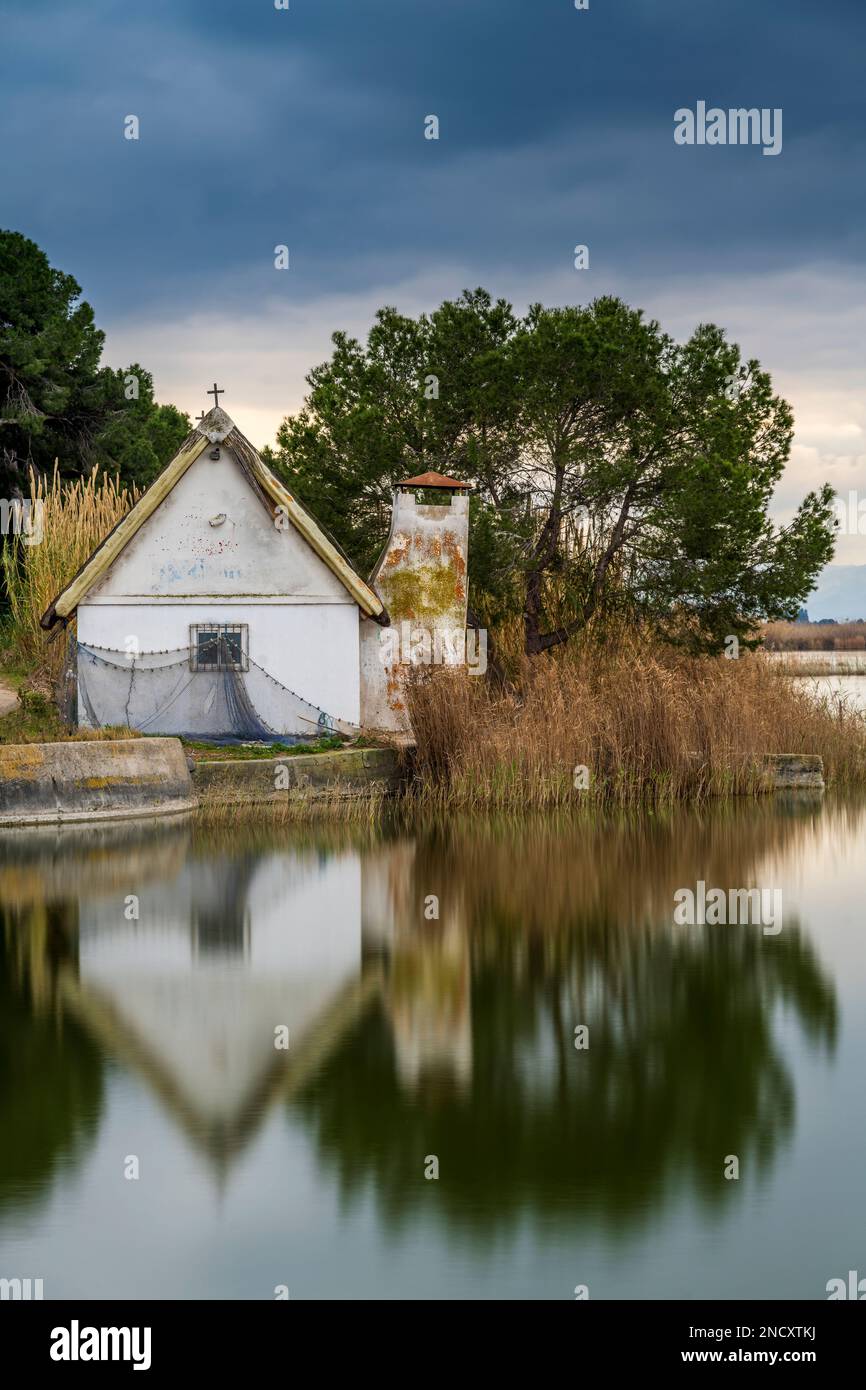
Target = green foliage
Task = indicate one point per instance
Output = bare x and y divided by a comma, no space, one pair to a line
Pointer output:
373,416
204,751
51,1097
56,402
34,718
138,436
617,473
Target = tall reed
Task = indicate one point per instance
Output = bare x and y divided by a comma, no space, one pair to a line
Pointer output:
625,723
73,517
815,637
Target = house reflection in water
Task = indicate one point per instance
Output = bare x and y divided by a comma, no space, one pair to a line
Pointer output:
227,953
183,962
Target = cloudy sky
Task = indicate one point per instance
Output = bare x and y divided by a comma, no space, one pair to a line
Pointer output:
305,127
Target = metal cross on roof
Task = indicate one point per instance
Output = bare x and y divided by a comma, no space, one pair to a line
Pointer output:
202,416
216,393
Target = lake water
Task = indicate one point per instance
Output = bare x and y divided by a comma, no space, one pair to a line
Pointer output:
842,662
146,973
850,689
842,674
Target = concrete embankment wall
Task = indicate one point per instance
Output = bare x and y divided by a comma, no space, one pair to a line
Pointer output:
45,783
793,772
48,783
353,772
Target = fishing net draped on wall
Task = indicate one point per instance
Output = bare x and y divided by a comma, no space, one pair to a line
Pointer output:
212,690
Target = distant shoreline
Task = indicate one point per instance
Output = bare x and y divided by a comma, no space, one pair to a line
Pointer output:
829,637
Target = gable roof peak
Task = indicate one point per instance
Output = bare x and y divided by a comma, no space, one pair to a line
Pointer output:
216,425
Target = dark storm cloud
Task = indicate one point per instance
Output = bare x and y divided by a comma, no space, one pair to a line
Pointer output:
305,127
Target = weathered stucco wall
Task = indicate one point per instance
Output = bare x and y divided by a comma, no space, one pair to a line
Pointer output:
178,554
422,579
180,570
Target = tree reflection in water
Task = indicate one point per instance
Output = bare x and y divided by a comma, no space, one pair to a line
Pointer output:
51,1073
543,927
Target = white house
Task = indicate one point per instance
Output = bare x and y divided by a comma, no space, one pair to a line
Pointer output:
218,607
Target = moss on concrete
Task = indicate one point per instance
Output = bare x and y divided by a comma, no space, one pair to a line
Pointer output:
353,772
424,593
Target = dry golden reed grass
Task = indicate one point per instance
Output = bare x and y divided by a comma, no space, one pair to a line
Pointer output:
815,637
648,724
76,516
223,809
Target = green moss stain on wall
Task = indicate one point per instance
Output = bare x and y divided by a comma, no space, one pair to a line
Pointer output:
425,593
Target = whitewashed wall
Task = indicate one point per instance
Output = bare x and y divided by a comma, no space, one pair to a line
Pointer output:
311,648
180,570
179,554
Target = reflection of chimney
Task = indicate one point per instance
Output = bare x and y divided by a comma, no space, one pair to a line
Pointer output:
430,1006
388,894
428,997
421,578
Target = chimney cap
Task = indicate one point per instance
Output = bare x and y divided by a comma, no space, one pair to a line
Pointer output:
432,480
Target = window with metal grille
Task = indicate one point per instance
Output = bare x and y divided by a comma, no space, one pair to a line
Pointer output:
219,647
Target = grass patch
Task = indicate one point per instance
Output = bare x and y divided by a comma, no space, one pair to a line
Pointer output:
204,752
33,720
